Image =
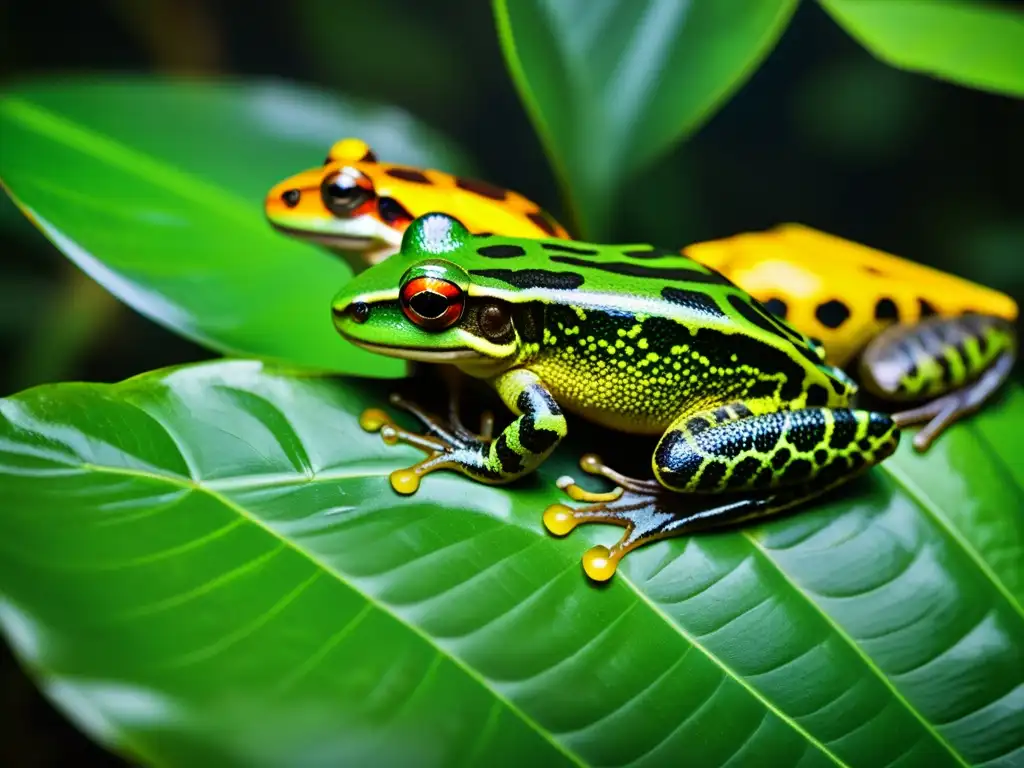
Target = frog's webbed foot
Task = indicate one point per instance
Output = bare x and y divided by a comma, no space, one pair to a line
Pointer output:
647,511
447,445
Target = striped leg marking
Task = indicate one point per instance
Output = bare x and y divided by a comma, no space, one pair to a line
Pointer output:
520,448
799,455
957,363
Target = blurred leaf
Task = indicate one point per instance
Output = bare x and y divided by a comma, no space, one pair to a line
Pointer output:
155,189
968,42
860,109
408,66
207,566
610,85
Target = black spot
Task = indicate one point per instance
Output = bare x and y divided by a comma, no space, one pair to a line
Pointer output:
640,270
844,429
750,313
741,411
798,469
696,425
743,472
712,475
407,174
722,415
864,444
820,456
533,278
837,386
543,221
857,462
536,440
510,460
886,309
806,430
777,307
501,251
832,313
781,457
879,424
568,249
391,210
482,188
926,309
649,253
692,300
764,478
817,396
369,157
873,270
291,197
529,321
484,234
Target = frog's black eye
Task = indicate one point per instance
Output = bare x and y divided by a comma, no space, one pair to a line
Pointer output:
343,195
392,212
495,322
431,303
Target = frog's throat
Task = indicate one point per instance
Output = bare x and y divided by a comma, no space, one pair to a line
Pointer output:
344,242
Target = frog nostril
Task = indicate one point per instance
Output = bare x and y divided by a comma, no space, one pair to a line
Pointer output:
291,197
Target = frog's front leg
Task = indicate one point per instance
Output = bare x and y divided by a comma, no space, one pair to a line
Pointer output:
956,363
777,460
520,448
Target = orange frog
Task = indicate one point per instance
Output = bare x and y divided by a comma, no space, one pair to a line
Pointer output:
360,207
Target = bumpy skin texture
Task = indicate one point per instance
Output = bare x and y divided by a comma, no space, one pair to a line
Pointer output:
631,337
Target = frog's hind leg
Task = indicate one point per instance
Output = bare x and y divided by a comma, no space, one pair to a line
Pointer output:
955,363
777,460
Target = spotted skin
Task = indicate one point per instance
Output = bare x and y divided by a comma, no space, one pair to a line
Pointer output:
398,194
839,291
744,403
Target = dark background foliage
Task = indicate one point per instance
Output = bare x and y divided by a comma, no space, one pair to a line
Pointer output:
822,134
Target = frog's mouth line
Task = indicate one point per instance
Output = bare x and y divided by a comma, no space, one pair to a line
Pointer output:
415,353
345,242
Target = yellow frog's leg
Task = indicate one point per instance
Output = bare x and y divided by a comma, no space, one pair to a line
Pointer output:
776,460
956,363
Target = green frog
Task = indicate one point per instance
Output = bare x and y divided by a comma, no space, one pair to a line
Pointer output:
639,339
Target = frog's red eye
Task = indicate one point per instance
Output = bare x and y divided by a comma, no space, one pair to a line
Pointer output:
432,303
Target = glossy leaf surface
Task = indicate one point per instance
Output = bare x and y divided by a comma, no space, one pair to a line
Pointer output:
155,189
968,42
611,85
207,566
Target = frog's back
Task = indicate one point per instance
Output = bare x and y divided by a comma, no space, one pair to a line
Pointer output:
840,291
635,335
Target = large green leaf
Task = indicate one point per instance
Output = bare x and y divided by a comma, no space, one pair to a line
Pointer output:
155,188
968,42
611,85
207,565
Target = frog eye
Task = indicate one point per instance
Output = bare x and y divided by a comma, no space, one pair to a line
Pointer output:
343,194
431,303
